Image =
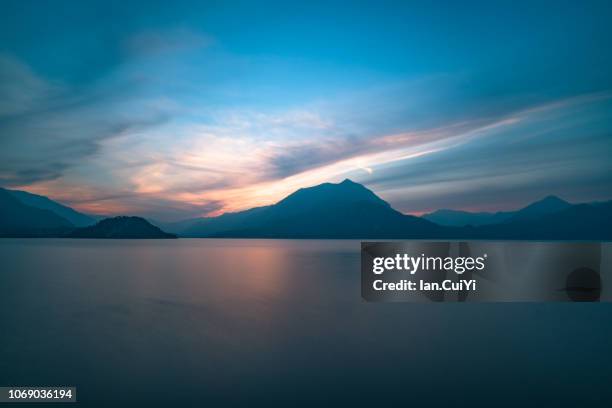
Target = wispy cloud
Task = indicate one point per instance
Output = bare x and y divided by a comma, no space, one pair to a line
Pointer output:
48,128
21,90
155,42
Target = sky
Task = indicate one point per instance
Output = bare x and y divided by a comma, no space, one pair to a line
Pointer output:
173,110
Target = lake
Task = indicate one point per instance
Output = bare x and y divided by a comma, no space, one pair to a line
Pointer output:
245,322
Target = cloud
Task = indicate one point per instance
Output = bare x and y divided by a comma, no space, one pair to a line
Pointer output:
548,151
21,90
114,200
52,128
135,142
155,42
48,127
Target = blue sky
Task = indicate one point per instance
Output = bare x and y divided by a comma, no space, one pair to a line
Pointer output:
179,109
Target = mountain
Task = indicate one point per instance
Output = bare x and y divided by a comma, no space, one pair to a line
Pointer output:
343,210
34,200
121,227
349,210
23,214
545,206
212,226
457,218
20,220
176,227
550,218
580,222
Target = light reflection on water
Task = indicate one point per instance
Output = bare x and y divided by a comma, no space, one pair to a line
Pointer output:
194,321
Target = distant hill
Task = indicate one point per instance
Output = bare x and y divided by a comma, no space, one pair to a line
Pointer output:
548,219
546,206
458,218
211,226
590,222
121,227
343,210
23,214
176,227
20,220
34,200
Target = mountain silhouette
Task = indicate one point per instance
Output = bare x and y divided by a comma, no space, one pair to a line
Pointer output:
343,210
543,207
592,222
34,200
458,218
350,210
20,220
121,227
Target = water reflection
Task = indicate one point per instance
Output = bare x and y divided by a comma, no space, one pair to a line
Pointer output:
197,322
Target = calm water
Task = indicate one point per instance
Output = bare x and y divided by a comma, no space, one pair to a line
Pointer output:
199,322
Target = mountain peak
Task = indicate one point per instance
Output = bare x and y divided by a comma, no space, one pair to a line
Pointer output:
330,194
328,210
348,181
550,202
552,198
548,205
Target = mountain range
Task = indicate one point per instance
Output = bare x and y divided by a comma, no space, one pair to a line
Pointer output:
457,218
345,210
350,210
27,215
